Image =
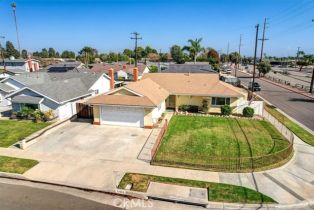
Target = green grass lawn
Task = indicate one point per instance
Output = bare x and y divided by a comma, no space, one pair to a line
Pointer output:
216,191
295,128
16,165
12,131
211,141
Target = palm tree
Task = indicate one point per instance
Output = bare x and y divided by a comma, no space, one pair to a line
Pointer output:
195,48
87,53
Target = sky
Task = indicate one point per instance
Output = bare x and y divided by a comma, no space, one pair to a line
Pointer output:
107,25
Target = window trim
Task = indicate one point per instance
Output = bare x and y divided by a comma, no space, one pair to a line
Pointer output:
214,99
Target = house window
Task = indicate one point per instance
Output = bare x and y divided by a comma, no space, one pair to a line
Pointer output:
219,101
31,106
96,91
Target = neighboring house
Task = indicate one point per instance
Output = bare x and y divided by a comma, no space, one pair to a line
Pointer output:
187,68
4,91
121,71
141,103
66,67
54,91
22,65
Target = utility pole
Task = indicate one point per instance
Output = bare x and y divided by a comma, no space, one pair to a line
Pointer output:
135,37
312,80
13,5
298,53
228,52
263,39
159,65
240,44
2,54
254,62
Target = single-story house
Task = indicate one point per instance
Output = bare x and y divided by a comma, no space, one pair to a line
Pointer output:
24,65
58,92
140,104
4,91
121,71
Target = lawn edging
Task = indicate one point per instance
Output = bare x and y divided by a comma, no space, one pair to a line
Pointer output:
218,192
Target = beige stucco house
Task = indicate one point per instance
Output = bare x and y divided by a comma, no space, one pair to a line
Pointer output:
141,103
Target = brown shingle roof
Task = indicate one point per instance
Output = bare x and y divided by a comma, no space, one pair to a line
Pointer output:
194,84
104,68
149,93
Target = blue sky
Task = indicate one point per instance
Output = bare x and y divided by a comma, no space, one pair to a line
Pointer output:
106,25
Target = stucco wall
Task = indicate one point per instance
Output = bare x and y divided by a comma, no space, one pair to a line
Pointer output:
148,119
157,112
96,112
102,85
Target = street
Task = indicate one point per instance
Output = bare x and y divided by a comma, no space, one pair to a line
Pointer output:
297,106
13,197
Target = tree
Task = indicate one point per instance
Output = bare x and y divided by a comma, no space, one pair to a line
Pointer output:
195,48
177,54
10,50
24,54
212,53
153,57
128,52
68,54
87,54
223,58
148,50
302,63
164,57
51,52
263,68
140,53
44,53
234,57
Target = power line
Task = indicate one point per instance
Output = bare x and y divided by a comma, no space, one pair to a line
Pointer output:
13,5
136,37
263,39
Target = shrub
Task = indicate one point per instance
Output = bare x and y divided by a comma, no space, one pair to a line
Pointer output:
248,112
153,69
25,112
49,115
225,110
205,106
38,116
188,108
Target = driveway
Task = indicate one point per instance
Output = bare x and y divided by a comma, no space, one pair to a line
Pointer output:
93,141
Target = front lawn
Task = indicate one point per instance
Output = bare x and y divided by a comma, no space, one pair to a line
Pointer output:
295,128
16,165
213,143
12,131
217,192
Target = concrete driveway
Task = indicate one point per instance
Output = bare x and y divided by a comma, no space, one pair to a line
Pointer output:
93,141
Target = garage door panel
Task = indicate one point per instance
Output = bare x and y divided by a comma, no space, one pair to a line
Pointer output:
133,117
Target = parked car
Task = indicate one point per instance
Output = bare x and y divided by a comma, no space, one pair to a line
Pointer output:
230,80
246,67
227,70
256,86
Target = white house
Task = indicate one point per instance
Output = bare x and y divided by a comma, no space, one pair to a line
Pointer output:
58,92
21,65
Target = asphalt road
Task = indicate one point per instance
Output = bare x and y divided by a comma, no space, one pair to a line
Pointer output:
297,106
13,197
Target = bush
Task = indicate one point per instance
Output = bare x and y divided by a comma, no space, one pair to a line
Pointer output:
188,108
248,112
25,113
153,69
205,106
49,115
225,110
38,116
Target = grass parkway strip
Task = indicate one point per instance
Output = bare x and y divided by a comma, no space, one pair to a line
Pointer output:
217,192
16,165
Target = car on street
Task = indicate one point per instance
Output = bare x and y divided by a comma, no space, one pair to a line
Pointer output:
230,80
256,86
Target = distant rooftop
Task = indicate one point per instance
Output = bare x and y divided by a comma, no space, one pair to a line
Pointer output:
187,68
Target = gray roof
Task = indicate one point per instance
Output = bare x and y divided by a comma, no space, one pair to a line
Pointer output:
187,68
59,87
16,70
66,67
26,99
6,88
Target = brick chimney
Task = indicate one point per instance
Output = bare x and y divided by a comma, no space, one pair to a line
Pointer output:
135,74
29,62
36,65
111,75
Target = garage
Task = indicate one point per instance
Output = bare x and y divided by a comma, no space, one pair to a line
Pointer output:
125,116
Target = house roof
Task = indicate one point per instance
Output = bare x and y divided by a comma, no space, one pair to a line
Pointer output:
17,60
146,93
6,88
194,84
117,67
26,99
188,68
59,87
66,67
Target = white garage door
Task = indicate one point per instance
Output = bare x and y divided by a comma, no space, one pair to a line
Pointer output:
133,117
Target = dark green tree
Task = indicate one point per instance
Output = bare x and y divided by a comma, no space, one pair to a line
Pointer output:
263,68
51,52
24,54
44,53
177,54
87,54
10,50
68,54
194,48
